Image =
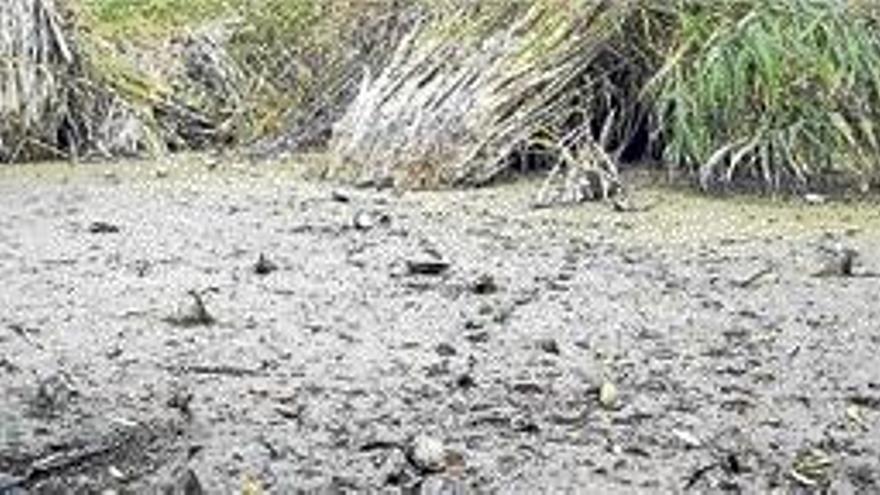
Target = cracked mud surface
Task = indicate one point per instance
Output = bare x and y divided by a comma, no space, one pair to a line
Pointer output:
734,368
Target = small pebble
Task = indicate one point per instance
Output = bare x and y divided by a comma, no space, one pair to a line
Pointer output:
445,350
265,266
608,395
103,228
814,199
116,473
427,454
485,285
550,346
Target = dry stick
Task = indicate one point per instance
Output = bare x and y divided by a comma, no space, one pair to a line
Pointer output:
744,284
58,462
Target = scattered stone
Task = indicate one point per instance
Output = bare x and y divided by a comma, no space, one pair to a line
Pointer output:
368,220
484,285
465,381
195,315
340,196
522,424
478,337
103,228
608,395
839,262
265,266
116,473
815,199
624,204
162,173
445,350
550,346
427,454
363,220
427,266
189,484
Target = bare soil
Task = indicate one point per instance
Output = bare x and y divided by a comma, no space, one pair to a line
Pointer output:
687,348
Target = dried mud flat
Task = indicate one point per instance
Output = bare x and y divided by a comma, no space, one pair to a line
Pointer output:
457,342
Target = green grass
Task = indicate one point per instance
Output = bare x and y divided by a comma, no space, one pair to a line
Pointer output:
779,92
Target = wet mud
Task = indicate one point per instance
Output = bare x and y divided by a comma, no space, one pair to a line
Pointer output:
240,330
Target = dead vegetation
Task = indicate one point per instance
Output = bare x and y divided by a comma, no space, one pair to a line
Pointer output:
782,95
34,61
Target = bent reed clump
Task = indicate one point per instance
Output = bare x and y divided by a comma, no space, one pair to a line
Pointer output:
784,94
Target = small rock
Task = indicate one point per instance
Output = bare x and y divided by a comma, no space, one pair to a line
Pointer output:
622,204
265,266
465,381
116,473
189,484
478,337
814,199
608,395
103,228
427,454
368,220
162,173
839,262
193,316
484,285
525,425
363,220
340,196
550,346
445,350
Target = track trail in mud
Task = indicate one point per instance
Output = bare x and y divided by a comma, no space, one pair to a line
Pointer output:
686,348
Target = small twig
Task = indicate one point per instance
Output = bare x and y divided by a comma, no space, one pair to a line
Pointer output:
221,370
23,334
55,463
698,474
749,281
